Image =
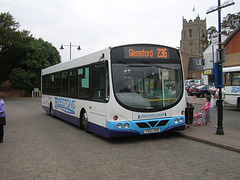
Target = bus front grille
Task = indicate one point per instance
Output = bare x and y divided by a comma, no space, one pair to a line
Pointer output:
151,124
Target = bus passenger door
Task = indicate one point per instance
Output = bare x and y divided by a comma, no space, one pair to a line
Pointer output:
100,95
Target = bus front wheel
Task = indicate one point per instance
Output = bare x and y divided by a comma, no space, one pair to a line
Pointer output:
84,119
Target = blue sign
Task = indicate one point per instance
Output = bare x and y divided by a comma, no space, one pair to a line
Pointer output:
218,78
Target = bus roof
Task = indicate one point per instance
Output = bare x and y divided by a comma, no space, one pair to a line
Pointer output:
88,59
81,61
231,69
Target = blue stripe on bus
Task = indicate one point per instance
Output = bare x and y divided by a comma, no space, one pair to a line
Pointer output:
46,109
170,126
64,116
112,131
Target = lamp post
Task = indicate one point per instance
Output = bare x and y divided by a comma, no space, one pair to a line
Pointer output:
71,48
220,61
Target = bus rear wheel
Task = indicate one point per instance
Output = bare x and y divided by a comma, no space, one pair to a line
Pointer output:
84,119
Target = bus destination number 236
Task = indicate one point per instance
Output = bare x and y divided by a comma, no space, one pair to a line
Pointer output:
162,53
151,53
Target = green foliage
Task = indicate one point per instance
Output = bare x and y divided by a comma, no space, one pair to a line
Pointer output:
40,54
230,22
7,21
19,50
210,31
20,79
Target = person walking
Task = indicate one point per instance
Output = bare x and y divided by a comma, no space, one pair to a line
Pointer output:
207,108
3,118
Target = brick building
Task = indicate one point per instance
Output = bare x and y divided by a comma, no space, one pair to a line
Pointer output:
7,91
232,46
190,72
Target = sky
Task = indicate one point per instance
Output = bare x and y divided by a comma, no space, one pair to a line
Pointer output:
98,24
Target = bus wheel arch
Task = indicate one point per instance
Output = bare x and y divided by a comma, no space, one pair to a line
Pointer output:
238,102
51,110
84,120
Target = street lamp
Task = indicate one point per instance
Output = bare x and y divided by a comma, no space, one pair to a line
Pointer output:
71,48
219,63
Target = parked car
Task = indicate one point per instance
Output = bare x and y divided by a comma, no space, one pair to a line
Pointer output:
187,87
192,88
202,90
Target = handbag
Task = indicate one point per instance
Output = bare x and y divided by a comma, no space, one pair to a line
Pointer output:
2,121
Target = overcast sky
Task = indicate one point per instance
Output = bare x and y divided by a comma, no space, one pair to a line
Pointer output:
97,24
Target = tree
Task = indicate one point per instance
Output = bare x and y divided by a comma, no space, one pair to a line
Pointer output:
40,54
13,45
7,22
230,23
18,49
19,78
212,30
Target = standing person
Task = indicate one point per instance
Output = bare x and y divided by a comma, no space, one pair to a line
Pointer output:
2,119
216,96
186,98
213,97
161,93
173,91
207,108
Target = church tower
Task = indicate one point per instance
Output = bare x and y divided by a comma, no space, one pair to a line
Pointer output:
194,36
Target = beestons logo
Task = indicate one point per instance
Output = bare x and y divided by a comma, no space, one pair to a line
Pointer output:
65,105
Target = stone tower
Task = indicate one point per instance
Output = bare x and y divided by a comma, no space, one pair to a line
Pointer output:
194,36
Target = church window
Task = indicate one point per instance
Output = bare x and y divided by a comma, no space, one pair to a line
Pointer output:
190,33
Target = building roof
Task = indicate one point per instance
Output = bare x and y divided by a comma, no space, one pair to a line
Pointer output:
231,35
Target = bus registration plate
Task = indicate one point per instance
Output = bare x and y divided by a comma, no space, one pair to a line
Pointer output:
148,131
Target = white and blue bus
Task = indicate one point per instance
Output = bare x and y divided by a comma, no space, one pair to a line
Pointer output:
232,85
119,91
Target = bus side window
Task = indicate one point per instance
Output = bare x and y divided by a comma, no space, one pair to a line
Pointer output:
227,79
64,83
72,83
83,83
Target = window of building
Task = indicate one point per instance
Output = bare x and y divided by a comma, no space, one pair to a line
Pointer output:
190,33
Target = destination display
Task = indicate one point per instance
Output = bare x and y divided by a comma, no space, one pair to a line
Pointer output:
151,52
155,53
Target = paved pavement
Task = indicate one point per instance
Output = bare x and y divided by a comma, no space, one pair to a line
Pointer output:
207,134
37,146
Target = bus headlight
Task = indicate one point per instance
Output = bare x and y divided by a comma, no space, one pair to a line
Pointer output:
126,126
176,121
119,125
181,120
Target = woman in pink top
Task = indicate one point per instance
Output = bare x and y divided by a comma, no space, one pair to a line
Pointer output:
207,108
